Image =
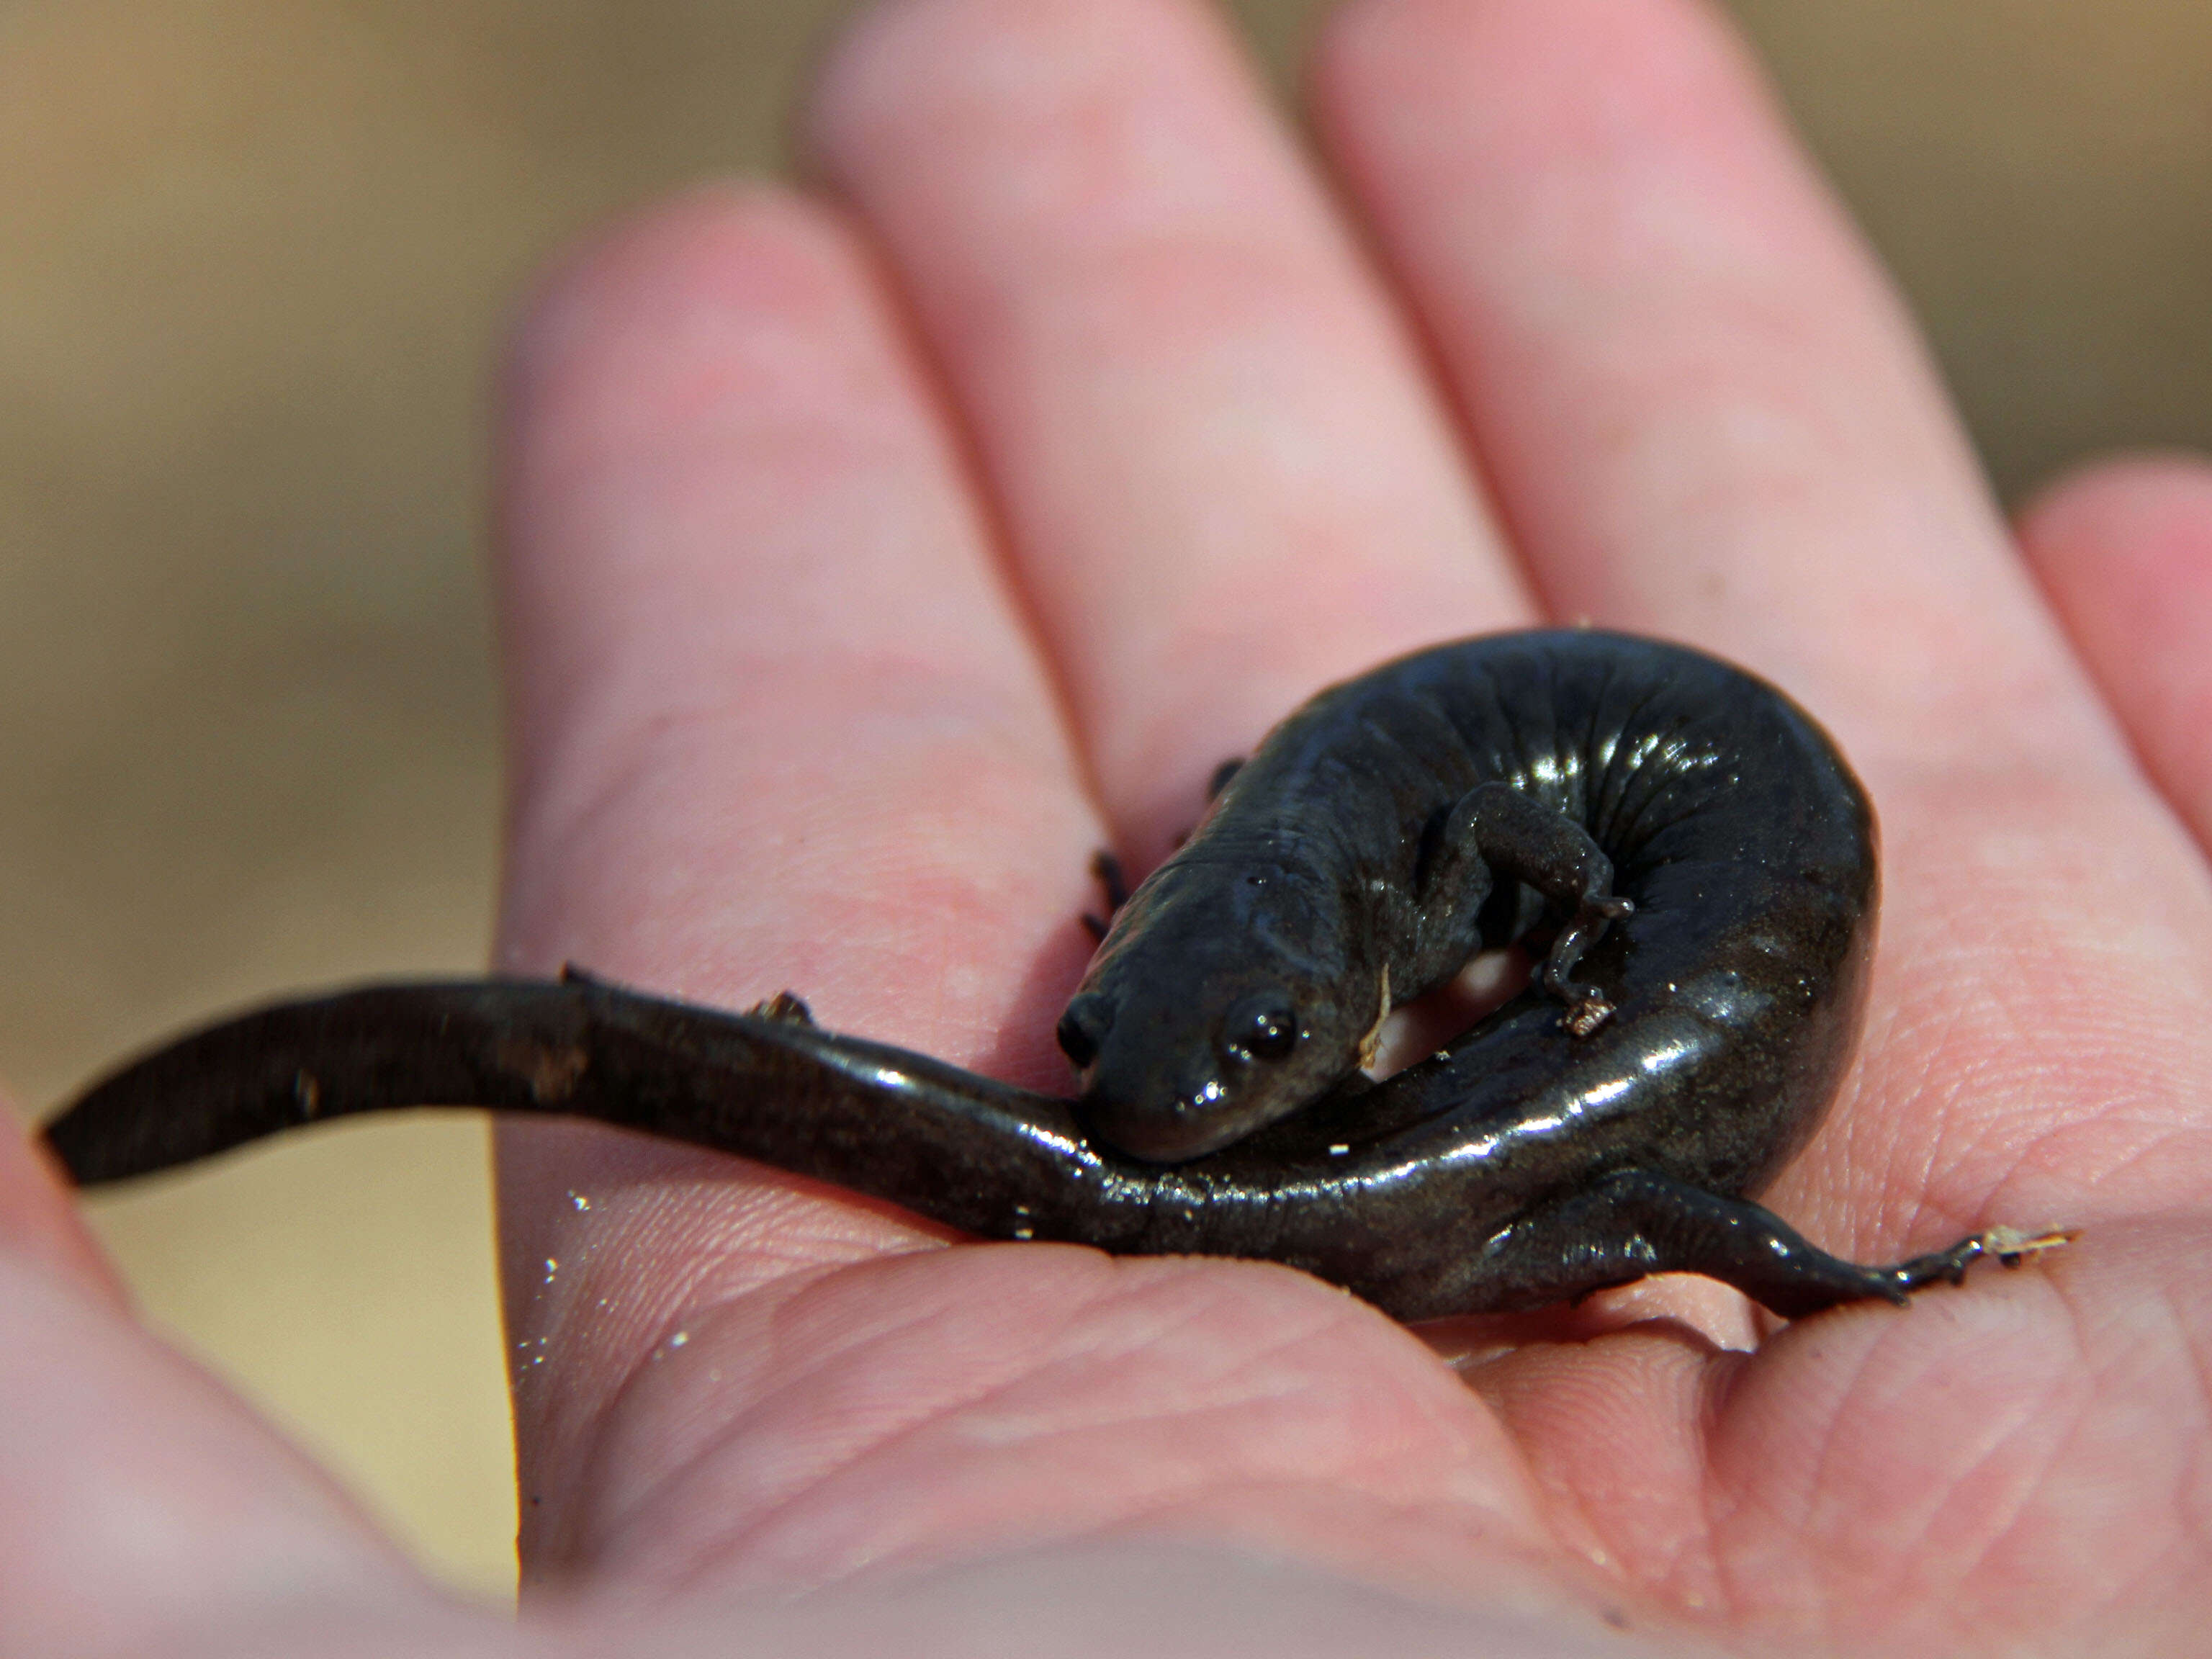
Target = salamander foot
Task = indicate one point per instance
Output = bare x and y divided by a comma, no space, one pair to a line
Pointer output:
1637,1222
2008,1245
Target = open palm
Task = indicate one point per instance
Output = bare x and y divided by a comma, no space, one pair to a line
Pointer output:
871,556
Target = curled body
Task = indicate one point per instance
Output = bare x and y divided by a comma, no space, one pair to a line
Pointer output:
1682,848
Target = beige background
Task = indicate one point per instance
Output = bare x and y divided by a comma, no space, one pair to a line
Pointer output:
254,255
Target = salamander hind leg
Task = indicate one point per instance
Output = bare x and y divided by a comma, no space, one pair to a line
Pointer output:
1636,1223
1521,839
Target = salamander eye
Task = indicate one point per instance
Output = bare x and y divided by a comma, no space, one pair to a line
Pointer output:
1263,1026
1084,1027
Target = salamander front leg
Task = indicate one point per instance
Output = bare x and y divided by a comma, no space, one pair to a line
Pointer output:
1636,1223
1520,839
1106,870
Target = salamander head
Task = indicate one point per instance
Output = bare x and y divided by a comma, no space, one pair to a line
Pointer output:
1204,1018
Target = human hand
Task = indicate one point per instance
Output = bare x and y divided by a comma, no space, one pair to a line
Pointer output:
870,557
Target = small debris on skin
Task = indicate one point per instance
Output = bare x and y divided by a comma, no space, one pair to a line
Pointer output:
2012,1247
784,1005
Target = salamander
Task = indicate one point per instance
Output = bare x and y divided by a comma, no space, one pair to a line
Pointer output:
1679,849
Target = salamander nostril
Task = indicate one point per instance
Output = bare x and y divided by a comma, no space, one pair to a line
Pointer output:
1083,1028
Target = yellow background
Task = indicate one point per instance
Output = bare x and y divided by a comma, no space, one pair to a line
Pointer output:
254,258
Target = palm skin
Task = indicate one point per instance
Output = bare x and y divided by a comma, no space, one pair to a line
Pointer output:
872,554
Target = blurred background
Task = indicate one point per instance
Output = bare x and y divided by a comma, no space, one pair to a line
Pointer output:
255,260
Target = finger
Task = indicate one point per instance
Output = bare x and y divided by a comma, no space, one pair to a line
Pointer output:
2124,550
774,726
1706,415
775,721
39,1224
1186,1599
1222,476
143,1509
1699,403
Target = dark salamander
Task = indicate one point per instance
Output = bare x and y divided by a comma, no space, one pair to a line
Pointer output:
1686,856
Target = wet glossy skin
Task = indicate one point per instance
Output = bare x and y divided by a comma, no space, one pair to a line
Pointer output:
1609,1122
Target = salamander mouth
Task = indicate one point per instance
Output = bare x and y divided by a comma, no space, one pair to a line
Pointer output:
1171,1126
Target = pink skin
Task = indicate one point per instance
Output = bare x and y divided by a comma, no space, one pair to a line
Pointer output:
873,553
